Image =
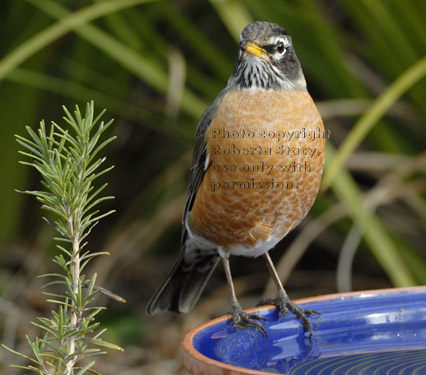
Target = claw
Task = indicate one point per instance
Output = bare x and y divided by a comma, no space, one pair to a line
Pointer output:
242,319
285,305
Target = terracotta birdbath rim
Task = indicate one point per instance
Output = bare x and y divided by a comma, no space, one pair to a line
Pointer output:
198,363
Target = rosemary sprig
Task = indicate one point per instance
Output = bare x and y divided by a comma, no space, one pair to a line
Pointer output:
68,161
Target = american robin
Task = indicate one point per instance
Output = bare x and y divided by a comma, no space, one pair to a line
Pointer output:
256,171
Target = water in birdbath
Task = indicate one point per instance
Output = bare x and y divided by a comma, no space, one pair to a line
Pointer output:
369,333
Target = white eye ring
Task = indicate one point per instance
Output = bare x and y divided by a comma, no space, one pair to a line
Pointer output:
280,48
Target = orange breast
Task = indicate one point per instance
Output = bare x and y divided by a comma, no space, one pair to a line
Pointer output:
266,152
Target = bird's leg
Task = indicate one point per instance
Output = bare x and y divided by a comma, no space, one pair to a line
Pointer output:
239,317
283,302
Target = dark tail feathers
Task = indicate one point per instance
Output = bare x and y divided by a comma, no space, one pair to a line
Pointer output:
182,288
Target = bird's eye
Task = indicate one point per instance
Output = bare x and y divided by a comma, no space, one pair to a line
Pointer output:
280,48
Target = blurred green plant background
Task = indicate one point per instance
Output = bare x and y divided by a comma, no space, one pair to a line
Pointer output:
155,66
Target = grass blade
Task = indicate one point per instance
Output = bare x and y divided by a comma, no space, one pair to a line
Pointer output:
372,116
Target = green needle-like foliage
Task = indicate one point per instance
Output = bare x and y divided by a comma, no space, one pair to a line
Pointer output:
69,163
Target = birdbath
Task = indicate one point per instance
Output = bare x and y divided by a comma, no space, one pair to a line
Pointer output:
380,332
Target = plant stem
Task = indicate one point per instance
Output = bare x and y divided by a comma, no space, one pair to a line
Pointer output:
75,309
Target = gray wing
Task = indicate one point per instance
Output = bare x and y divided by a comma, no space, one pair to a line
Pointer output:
184,284
199,160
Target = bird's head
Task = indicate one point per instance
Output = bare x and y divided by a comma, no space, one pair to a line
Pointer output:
267,60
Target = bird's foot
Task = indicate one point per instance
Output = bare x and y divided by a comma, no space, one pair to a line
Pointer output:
242,319
285,304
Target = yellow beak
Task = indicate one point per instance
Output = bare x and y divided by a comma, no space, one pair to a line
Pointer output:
254,49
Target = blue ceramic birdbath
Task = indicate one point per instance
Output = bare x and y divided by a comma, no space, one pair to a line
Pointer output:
365,333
